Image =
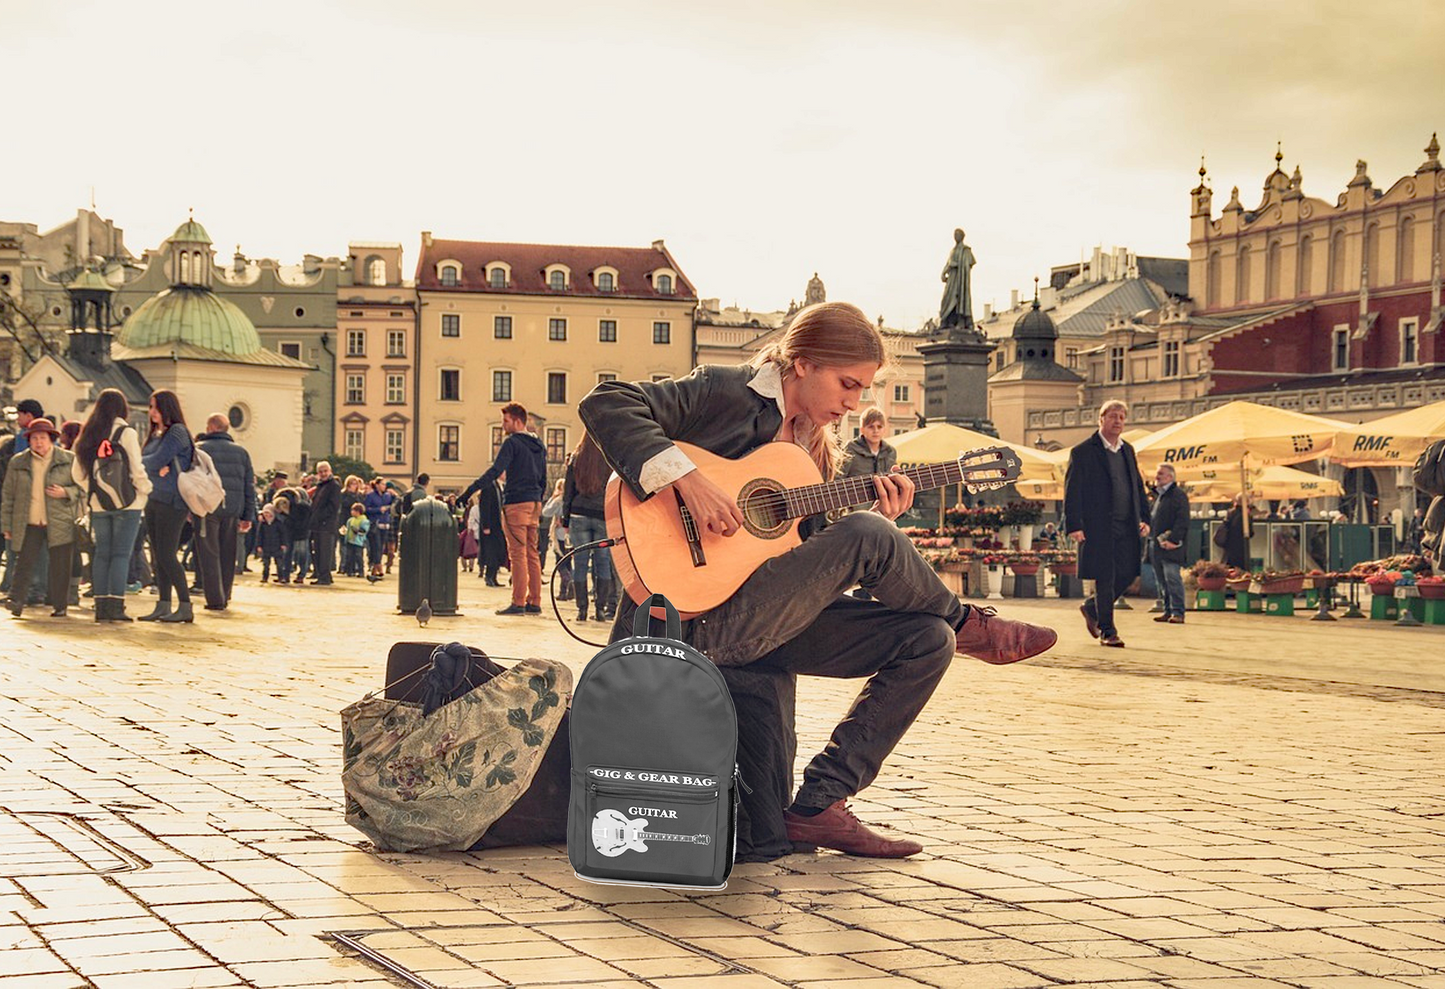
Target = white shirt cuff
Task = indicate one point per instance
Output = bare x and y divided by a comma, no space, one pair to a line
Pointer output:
663,469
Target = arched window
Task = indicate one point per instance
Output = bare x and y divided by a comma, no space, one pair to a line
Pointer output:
605,282
375,271
498,278
1211,280
664,284
1272,260
1241,277
449,275
1304,277
1405,251
1372,254
557,281
1337,262
184,275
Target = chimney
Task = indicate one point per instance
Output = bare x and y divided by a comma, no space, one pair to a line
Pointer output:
988,310
1013,299
1096,266
657,245
426,239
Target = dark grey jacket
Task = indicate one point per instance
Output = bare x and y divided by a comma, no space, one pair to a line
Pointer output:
1171,523
1088,501
713,407
233,463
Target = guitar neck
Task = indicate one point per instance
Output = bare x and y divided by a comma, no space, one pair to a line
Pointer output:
649,836
845,491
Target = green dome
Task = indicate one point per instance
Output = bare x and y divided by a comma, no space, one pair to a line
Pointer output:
186,314
191,232
90,281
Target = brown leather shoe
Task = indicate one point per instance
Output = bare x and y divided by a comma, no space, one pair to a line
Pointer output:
999,641
1163,618
1090,622
1176,619
836,827
1111,640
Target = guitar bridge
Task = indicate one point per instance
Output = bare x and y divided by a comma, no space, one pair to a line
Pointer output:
689,528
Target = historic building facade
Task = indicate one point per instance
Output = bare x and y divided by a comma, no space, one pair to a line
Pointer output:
538,324
186,338
376,379
1327,308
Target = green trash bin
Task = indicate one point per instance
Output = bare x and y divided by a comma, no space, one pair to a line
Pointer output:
429,551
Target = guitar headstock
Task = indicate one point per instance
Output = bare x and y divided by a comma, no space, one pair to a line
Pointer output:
988,468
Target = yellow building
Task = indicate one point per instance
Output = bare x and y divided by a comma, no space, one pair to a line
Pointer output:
376,381
538,324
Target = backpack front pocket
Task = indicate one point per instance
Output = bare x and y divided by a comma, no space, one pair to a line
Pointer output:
641,830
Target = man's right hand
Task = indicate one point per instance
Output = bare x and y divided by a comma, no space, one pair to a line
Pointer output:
709,504
1077,535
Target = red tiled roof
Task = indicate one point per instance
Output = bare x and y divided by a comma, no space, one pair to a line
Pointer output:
529,262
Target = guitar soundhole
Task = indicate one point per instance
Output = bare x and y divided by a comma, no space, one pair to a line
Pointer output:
764,511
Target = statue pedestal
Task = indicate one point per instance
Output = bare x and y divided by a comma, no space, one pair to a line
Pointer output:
955,380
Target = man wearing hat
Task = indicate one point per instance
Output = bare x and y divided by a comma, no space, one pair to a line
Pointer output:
27,410
38,502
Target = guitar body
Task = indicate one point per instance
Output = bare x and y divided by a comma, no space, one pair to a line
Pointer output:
653,554
613,834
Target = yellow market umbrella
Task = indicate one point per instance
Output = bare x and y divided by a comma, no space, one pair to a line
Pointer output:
1134,436
1394,441
1236,431
1042,489
1275,481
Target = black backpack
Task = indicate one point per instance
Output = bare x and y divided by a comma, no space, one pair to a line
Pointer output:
654,763
110,478
1429,473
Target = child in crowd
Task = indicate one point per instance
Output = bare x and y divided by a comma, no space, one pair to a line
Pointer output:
353,558
272,544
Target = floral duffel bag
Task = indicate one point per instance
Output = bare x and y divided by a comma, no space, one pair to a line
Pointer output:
435,774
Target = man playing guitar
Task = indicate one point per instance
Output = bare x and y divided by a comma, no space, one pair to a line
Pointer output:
791,615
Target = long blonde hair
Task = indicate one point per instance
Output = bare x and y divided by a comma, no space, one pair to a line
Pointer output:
829,334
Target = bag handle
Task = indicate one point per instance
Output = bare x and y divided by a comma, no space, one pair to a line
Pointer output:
642,621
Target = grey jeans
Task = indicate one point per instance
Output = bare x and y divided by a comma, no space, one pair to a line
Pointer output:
791,617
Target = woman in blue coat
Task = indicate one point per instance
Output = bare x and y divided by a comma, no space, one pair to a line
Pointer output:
167,453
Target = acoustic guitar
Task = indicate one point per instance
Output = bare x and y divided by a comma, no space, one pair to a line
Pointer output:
657,544
613,833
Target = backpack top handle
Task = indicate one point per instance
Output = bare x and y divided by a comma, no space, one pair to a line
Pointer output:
657,606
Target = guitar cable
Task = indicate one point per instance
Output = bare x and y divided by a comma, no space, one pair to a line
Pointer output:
552,585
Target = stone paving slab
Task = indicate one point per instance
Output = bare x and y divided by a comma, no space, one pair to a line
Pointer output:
1243,801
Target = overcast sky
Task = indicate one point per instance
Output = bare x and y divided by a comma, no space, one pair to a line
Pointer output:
762,140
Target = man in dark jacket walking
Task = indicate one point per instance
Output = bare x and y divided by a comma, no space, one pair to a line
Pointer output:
1170,526
1106,513
524,460
325,518
216,545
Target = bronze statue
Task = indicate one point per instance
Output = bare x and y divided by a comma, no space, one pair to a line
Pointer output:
957,307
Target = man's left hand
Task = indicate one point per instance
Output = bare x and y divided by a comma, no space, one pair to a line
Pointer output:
1144,530
895,493
243,527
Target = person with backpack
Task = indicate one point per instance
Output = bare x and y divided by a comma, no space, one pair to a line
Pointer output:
39,503
791,615
108,468
523,458
167,454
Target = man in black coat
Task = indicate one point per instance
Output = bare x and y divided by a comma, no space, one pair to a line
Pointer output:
1170,526
216,545
325,517
1106,513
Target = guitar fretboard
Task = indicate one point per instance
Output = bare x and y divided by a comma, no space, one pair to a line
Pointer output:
845,491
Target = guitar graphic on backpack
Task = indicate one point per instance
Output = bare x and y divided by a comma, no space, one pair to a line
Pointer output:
613,834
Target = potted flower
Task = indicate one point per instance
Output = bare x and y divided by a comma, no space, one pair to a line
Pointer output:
1064,562
1024,564
1431,588
1382,582
1209,575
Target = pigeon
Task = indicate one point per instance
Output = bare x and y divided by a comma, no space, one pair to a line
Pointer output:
423,613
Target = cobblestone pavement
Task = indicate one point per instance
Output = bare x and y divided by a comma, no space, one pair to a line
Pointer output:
1241,801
